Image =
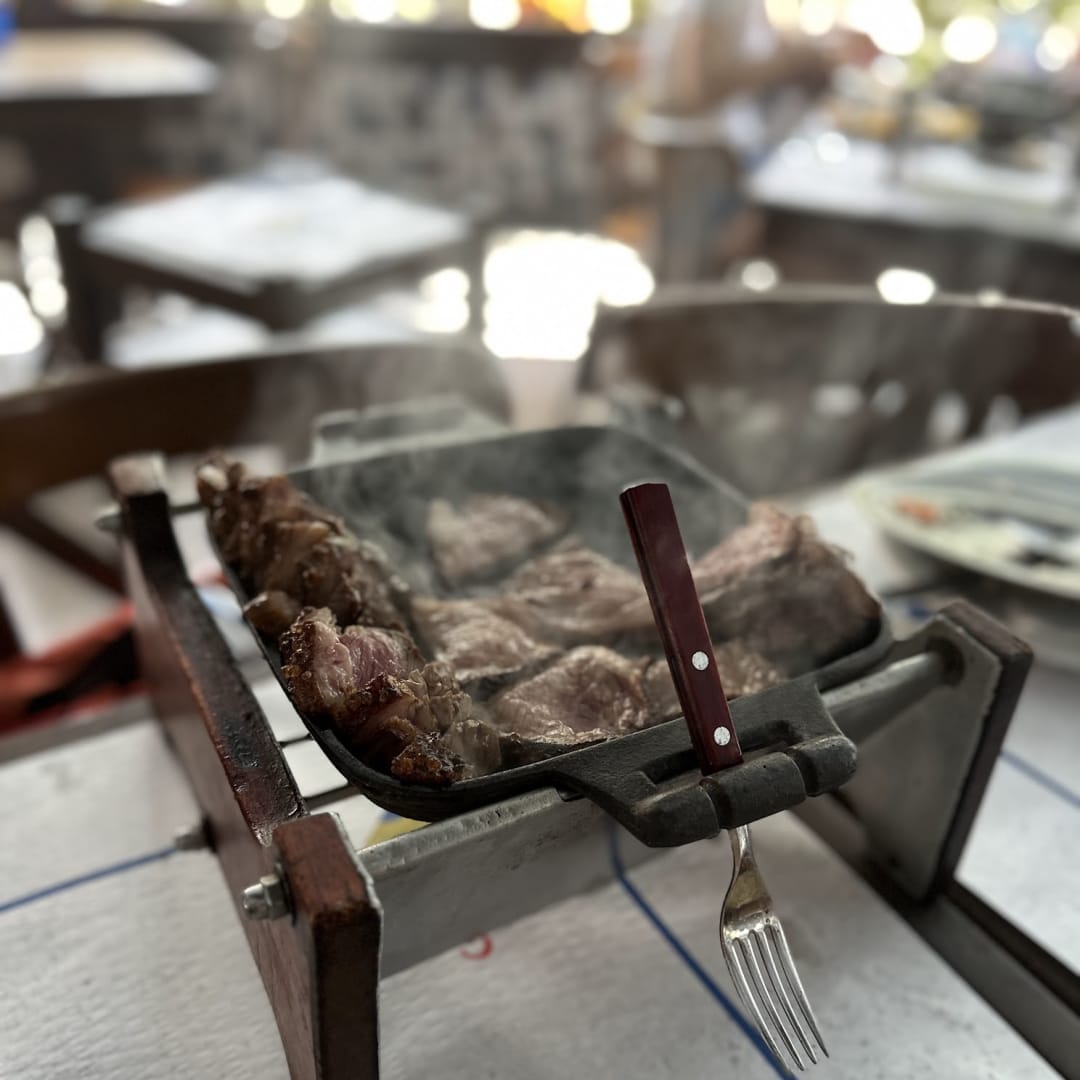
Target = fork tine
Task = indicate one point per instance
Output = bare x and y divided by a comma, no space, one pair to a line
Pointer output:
777,981
738,977
787,962
766,998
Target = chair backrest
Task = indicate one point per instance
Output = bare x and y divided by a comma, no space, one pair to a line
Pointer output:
803,384
56,433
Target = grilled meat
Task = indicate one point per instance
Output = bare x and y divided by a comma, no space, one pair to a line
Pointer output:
487,534
777,587
272,613
742,671
279,541
241,504
779,601
391,708
588,695
483,648
576,595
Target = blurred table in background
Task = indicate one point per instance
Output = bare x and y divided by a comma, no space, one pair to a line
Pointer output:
281,245
76,67
77,102
847,209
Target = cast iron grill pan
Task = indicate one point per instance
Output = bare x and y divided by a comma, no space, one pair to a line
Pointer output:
583,469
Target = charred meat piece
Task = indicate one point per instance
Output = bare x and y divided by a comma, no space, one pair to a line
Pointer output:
272,613
576,595
775,585
280,541
384,702
487,534
742,671
241,504
589,695
347,575
481,646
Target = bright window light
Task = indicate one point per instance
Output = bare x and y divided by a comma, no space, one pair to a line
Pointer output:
609,16
832,147
20,331
895,27
783,14
285,9
969,38
1057,48
898,285
543,288
417,11
759,275
48,298
817,17
495,14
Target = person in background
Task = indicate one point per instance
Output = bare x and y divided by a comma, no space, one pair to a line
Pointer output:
719,85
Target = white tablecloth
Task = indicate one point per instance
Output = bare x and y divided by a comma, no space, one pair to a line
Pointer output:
122,959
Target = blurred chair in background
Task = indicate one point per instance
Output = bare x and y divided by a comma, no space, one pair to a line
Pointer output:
64,432
782,390
58,439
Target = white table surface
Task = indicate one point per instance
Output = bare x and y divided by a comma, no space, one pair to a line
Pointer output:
283,222
855,179
129,962
39,65
1014,859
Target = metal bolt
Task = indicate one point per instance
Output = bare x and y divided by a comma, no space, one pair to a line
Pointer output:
721,736
700,660
193,838
267,899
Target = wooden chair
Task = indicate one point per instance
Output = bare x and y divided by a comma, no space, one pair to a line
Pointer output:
55,434
800,385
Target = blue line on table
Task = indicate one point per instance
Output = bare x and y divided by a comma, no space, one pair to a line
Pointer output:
691,961
1044,780
85,879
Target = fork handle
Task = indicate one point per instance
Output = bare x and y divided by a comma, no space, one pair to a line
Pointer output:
654,532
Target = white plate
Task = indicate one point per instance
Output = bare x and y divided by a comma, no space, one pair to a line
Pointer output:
974,502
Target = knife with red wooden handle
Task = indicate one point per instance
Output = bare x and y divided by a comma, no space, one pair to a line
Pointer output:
654,531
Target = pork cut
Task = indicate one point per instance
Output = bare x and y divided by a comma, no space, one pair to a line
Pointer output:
487,534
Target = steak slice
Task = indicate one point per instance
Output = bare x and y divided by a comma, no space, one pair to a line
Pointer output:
775,585
589,695
742,671
384,702
575,595
488,534
481,646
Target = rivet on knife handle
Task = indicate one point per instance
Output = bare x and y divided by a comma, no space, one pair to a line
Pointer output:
654,531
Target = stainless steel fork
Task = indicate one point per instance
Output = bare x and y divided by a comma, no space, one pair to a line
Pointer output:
754,945
760,962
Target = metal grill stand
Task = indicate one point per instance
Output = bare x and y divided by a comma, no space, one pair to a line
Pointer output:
323,921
